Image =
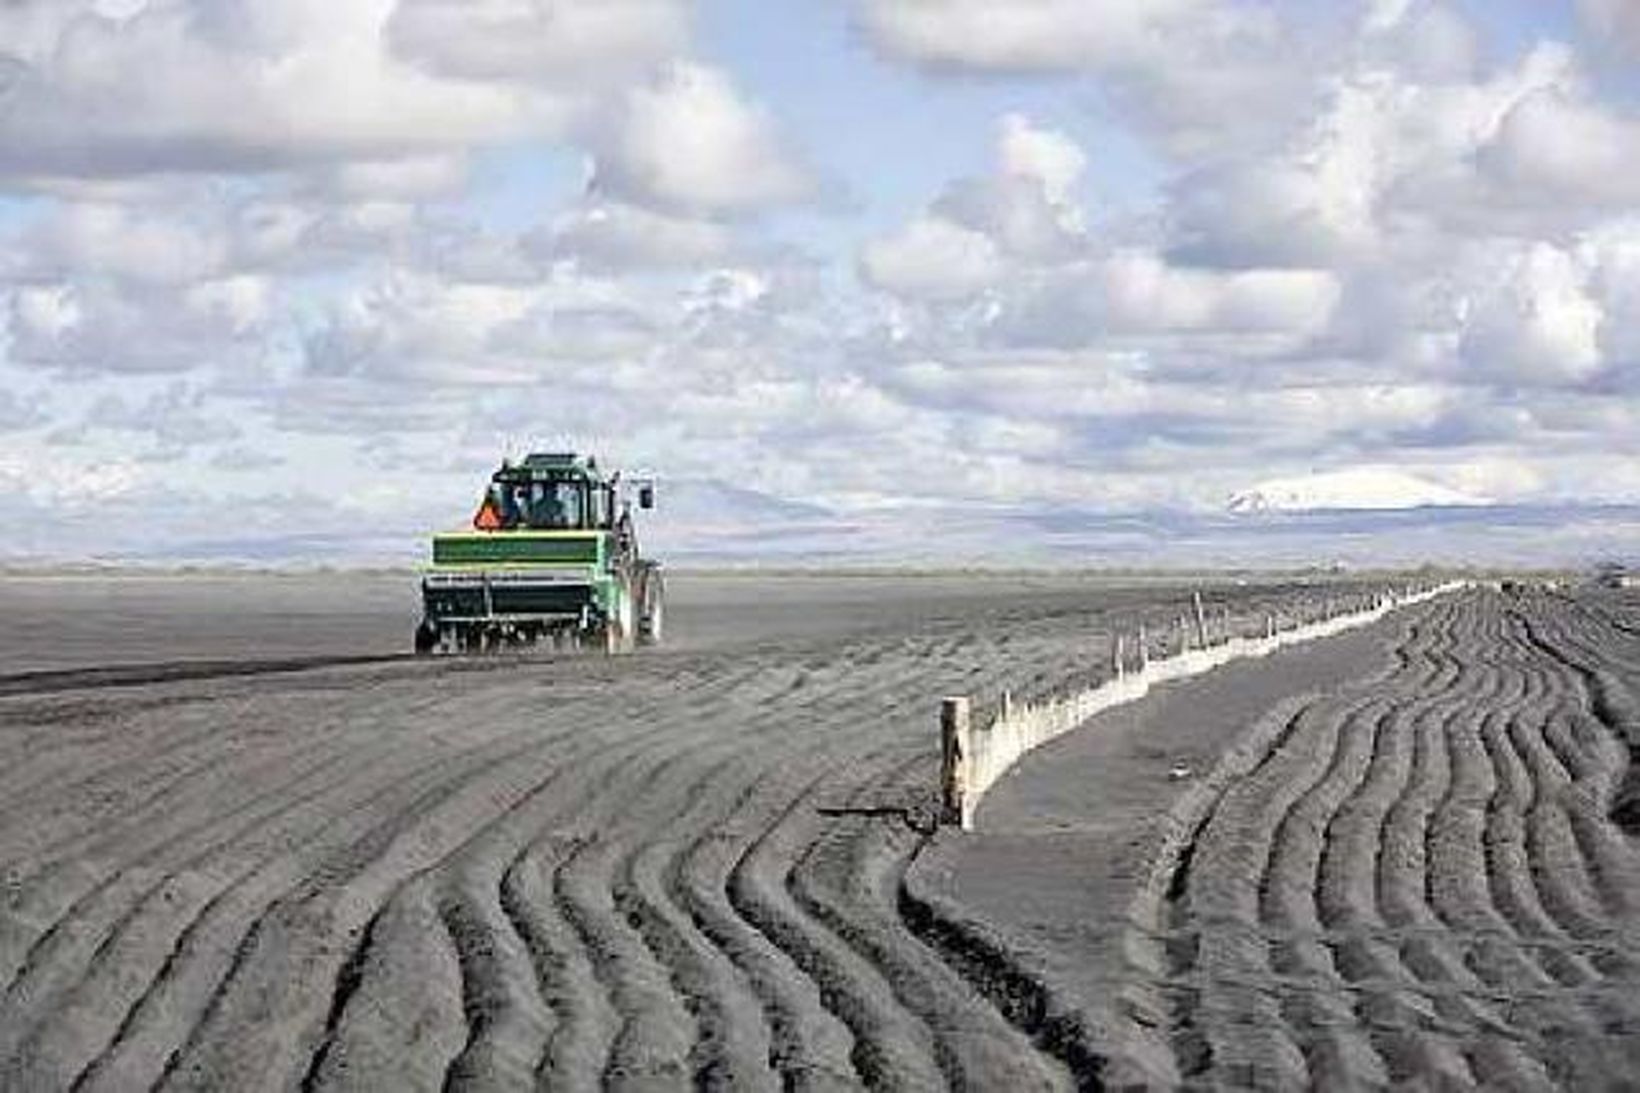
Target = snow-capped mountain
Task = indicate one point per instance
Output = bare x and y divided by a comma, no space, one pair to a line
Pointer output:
1359,489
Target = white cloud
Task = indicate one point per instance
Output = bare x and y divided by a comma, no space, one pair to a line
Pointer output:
1613,255
689,142
187,85
1538,323
1050,157
612,236
1141,293
120,241
1558,147
1024,212
207,85
567,44
932,259
1615,21
1028,34
105,326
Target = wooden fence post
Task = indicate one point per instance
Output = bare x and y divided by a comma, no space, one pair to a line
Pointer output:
955,725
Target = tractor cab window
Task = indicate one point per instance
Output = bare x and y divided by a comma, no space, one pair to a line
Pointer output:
550,505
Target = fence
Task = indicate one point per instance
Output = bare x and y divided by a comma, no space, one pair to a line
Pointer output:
973,756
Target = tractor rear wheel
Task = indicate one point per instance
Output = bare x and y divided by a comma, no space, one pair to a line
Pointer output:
652,615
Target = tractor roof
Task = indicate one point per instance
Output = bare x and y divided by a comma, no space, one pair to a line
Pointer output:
541,466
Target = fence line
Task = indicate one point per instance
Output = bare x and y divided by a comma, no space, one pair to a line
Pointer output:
974,756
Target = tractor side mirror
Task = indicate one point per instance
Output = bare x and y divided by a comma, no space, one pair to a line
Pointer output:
646,496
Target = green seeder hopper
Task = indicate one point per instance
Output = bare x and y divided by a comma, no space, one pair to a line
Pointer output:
552,557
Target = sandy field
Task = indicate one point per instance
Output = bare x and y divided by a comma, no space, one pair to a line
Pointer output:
713,865
1415,867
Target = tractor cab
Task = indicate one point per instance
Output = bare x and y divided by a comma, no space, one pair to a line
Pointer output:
551,492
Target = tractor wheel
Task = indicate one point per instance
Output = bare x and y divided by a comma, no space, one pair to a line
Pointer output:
652,619
426,639
621,630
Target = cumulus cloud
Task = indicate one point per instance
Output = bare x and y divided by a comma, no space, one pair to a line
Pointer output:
689,142
87,90
565,44
186,85
1184,69
1029,34
1023,212
1558,147
1538,323
90,327
932,258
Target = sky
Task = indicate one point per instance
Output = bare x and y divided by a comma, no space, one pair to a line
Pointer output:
285,281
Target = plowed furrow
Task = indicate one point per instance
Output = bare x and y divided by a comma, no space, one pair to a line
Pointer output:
1446,898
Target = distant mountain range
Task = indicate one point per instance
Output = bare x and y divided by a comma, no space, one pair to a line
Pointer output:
1358,520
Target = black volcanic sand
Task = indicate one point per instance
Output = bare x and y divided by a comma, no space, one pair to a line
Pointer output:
75,621
1389,858
687,868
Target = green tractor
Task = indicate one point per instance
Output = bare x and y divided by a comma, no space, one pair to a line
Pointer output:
552,558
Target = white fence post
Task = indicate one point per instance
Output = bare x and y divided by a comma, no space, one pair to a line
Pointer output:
956,726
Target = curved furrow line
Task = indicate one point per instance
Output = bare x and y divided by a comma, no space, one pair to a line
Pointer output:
1430,948
1185,1050
658,1030
397,1019
674,1011
734,1047
288,960
808,1045
144,948
1514,881
1565,881
1557,863
486,892
583,1021
62,758
52,895
505,1010
571,1046
850,880
202,955
1247,1037
174,879
620,943
1460,862
730,991
61,895
890,1048
118,812
1409,1032
1551,777
1336,1050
